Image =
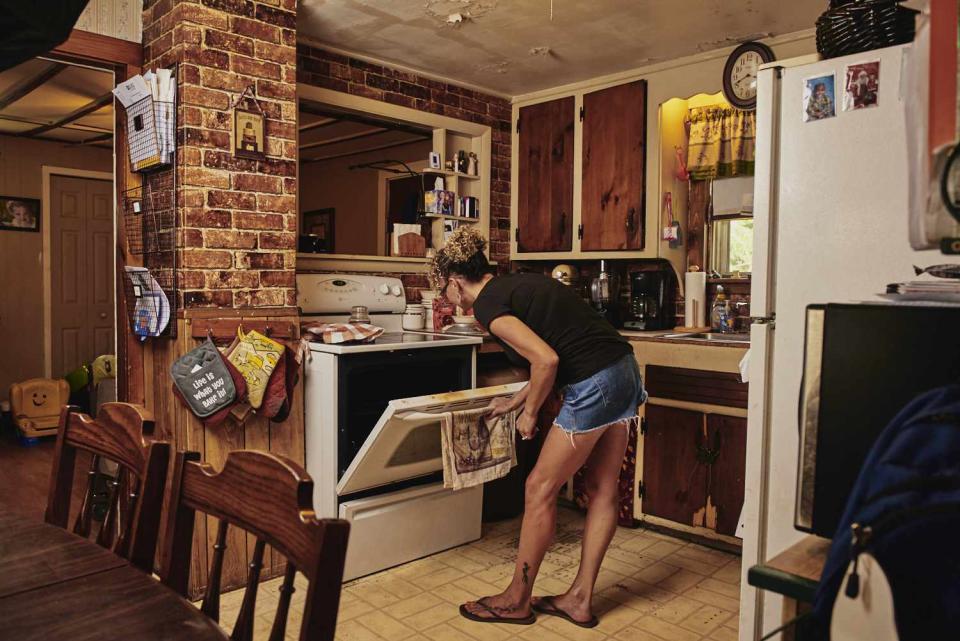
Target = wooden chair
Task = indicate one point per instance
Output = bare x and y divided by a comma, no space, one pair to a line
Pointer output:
271,498
135,496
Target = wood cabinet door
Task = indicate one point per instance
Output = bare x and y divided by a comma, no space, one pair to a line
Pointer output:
728,436
545,189
614,168
674,483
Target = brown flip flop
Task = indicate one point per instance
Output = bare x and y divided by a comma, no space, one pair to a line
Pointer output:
494,617
546,605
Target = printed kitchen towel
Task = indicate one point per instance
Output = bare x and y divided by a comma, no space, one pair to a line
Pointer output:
475,448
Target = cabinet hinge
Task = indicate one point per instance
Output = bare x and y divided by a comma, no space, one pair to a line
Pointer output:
518,125
641,489
582,112
516,234
643,424
580,231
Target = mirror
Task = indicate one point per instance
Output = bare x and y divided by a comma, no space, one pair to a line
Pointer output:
357,177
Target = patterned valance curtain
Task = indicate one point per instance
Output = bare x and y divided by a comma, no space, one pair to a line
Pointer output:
721,142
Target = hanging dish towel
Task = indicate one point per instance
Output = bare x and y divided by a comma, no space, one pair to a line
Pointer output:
255,356
476,449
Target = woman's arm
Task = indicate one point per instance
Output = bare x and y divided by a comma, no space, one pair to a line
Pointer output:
501,405
543,367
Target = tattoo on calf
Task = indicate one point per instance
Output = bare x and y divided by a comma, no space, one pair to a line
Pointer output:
526,576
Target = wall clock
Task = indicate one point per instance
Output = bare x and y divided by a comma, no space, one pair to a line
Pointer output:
740,73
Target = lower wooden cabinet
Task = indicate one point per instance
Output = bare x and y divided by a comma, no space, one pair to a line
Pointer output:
693,467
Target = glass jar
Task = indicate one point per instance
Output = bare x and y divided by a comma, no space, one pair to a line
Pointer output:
412,317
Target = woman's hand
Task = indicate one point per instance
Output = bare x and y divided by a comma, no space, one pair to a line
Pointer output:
527,425
499,406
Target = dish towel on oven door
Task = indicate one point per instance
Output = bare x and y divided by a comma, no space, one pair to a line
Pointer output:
476,449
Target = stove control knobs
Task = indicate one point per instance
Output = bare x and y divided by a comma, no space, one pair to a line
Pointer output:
384,289
396,290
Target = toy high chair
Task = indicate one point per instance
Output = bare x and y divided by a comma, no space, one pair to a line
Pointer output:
35,405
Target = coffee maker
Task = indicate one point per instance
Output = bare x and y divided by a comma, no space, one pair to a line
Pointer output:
652,300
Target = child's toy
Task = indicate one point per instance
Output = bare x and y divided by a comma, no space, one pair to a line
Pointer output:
36,403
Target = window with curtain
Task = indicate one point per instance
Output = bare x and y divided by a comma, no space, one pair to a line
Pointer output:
721,142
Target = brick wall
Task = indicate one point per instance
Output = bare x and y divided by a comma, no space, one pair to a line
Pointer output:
322,68
238,216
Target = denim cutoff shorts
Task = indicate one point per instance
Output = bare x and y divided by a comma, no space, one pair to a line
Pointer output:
611,395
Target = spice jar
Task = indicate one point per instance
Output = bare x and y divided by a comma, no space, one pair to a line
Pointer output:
412,317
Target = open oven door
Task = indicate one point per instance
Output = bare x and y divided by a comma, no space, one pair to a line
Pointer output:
405,443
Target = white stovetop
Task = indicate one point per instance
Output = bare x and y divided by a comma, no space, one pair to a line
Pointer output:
391,341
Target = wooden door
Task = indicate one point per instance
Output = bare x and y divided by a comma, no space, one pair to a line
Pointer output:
674,483
728,435
81,263
614,168
545,190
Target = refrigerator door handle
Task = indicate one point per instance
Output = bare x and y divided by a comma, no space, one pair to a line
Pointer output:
770,320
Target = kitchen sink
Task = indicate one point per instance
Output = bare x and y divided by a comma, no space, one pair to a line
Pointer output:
736,338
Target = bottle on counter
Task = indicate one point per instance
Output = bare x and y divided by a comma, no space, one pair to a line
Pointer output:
720,319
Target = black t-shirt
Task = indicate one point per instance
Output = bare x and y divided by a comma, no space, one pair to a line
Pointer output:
585,342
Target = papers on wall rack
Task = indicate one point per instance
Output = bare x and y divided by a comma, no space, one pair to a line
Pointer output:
149,101
150,311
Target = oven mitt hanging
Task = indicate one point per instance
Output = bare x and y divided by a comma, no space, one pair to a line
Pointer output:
241,386
256,357
203,380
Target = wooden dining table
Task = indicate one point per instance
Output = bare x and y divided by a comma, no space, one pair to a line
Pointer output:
56,585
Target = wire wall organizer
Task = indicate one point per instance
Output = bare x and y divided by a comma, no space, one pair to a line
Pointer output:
151,131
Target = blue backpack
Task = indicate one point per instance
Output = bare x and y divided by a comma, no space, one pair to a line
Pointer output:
905,510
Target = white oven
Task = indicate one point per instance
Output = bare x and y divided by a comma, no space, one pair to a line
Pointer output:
373,430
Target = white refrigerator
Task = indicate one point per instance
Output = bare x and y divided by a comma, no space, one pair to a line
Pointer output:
831,225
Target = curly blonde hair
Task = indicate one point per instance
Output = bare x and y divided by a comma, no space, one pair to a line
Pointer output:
463,254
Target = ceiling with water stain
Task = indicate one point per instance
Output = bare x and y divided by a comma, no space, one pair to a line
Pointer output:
514,47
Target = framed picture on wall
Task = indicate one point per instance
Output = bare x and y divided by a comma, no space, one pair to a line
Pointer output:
249,139
319,230
19,214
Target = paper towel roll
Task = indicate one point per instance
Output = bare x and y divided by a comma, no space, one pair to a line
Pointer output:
695,299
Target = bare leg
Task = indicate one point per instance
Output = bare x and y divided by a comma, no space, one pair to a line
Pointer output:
602,475
559,460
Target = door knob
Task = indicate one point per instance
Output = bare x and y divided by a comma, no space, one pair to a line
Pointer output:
103,315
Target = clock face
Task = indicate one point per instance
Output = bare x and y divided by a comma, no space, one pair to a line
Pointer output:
743,75
740,73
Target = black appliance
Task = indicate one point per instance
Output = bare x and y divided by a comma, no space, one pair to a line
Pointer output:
652,300
862,364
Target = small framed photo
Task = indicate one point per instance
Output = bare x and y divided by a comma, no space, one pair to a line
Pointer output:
434,160
19,214
819,98
862,86
249,139
319,225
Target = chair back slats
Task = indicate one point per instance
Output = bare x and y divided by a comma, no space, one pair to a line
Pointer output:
108,531
279,630
85,516
211,598
269,497
118,434
243,628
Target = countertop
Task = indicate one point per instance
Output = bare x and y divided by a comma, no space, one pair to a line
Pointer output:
656,336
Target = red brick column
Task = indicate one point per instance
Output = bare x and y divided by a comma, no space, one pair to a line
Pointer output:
238,216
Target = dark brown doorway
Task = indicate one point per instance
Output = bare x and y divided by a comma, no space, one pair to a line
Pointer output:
81,271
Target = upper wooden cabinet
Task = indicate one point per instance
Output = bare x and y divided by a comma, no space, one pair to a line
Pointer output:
545,190
614,164
579,176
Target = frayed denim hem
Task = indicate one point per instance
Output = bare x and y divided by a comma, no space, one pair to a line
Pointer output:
569,432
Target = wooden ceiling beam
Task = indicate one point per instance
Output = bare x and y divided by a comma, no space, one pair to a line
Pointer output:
27,85
318,124
76,114
366,133
368,149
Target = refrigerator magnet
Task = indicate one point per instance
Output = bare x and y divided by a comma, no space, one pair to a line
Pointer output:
819,98
861,88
